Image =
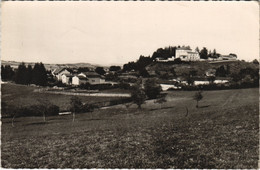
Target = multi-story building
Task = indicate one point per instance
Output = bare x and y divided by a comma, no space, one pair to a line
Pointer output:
186,54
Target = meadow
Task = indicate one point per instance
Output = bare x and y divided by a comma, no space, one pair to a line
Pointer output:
222,133
22,95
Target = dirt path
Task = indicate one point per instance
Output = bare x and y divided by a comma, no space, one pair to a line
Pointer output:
230,98
88,94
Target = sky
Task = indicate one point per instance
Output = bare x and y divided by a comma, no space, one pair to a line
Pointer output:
109,33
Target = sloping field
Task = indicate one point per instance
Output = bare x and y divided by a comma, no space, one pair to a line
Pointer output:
201,67
21,95
221,133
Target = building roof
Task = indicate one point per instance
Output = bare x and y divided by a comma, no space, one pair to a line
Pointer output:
183,48
91,74
67,75
82,78
228,56
58,70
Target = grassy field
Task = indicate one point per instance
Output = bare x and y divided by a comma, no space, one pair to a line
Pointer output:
222,133
13,94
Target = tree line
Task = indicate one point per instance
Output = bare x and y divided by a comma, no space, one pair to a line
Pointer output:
37,75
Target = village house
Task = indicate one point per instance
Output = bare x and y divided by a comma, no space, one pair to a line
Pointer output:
78,80
93,77
59,72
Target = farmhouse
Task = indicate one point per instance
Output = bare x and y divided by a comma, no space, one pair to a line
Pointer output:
93,77
185,54
59,72
78,80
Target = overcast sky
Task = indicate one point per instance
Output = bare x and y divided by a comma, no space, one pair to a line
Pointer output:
117,32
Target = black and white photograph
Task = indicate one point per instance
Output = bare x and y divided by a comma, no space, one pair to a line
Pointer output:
130,85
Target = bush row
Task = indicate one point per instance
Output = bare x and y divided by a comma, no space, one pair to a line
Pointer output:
107,86
33,110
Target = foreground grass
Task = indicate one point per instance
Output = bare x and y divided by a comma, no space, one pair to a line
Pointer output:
222,133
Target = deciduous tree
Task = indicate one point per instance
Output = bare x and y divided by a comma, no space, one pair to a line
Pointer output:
138,95
76,106
152,89
198,96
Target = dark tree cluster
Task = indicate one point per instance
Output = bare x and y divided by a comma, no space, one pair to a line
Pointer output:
39,75
139,65
83,69
223,71
204,53
100,70
26,75
129,66
249,76
114,68
7,73
164,53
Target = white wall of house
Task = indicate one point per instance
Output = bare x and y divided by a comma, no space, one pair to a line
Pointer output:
187,55
193,56
65,79
75,80
96,80
180,53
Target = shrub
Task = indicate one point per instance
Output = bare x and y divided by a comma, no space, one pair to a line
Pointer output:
87,108
101,86
152,89
84,86
53,110
124,85
34,110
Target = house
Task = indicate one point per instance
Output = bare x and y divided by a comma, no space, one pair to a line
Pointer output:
66,78
228,57
59,72
185,54
93,77
78,80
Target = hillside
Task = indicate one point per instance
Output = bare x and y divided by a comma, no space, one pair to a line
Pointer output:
201,67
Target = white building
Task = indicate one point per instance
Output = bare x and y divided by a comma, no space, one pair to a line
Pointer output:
92,78
228,57
66,78
78,80
185,54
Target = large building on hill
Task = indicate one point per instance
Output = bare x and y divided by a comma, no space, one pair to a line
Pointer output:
186,54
